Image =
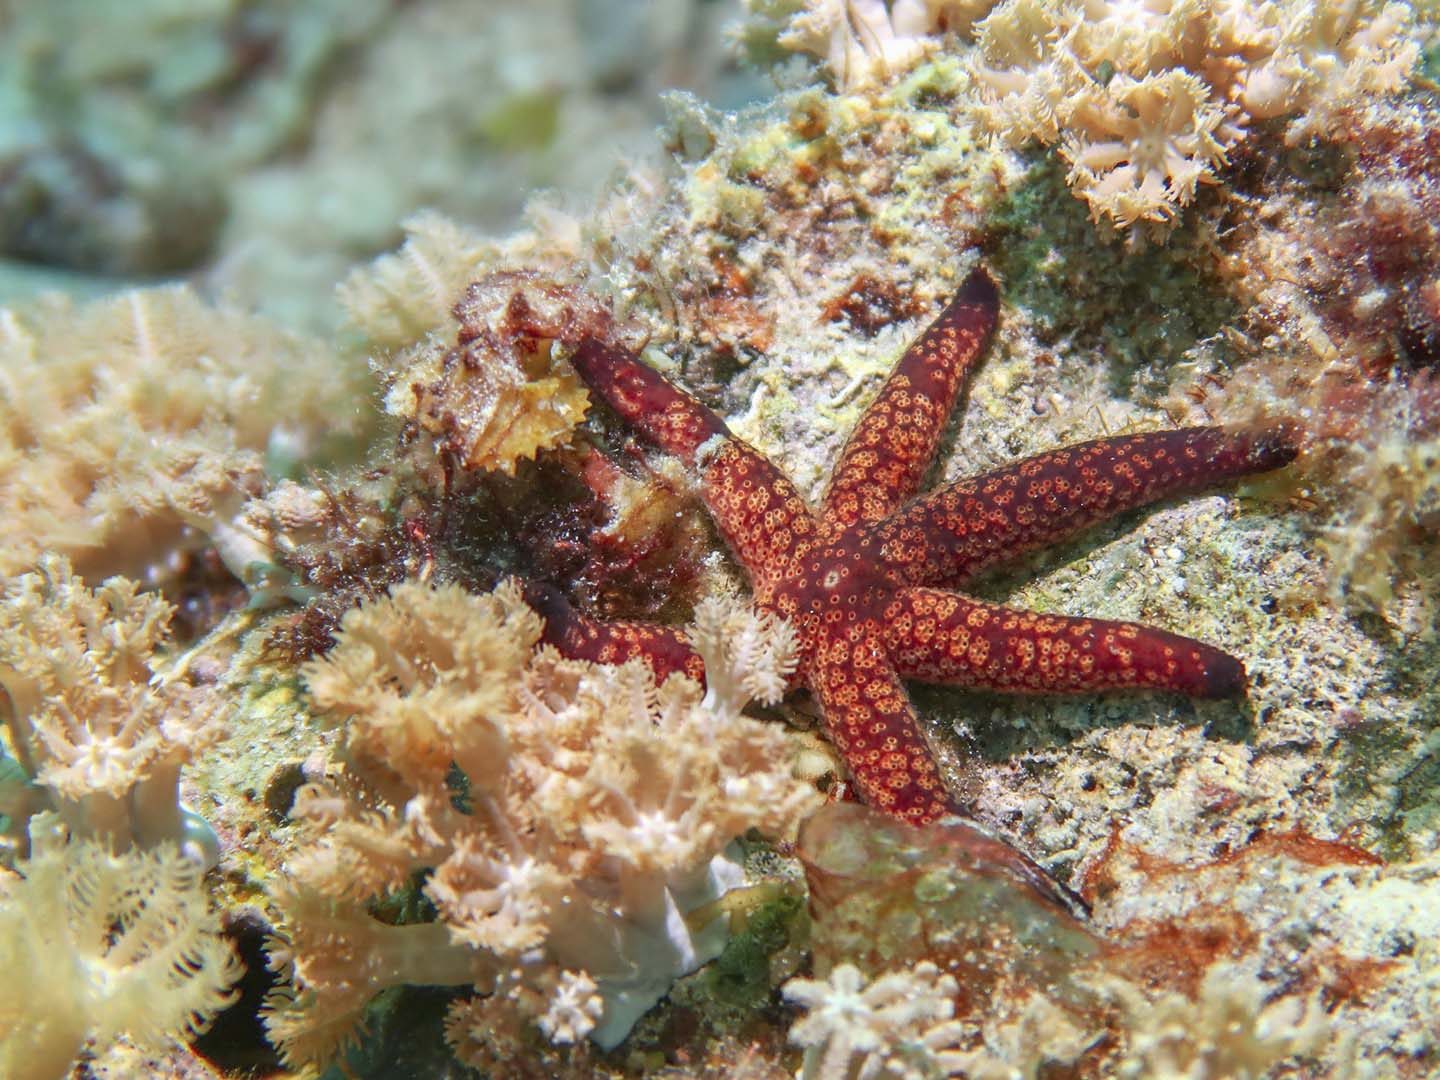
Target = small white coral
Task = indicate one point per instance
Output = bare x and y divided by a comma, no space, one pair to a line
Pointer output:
867,41
1138,37
574,1008
1149,143
897,1027
901,1026
1146,97
1025,86
1234,1030
494,903
1329,55
748,655
95,945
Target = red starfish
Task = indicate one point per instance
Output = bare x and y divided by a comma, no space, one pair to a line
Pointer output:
866,581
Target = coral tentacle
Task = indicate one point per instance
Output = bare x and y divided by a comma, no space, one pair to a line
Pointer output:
943,637
951,534
893,444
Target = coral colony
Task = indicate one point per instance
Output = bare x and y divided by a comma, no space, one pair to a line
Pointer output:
450,688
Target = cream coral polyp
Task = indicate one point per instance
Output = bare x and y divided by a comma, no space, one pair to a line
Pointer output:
96,945
136,427
100,740
1146,97
594,813
1190,77
1162,143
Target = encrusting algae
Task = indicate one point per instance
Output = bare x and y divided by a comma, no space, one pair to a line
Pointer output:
268,662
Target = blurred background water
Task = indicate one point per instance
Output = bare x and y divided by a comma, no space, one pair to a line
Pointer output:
263,147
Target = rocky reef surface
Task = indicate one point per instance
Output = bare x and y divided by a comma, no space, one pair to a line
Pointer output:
274,530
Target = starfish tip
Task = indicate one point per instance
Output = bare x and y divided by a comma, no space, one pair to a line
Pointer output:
551,605
1223,676
979,290
1275,445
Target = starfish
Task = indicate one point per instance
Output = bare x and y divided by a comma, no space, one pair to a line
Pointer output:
869,580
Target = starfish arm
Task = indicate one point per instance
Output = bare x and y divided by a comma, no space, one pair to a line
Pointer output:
946,537
942,637
891,447
669,417
579,637
869,718
757,509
